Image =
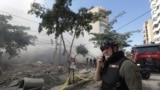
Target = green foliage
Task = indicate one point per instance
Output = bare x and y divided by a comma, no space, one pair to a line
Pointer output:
121,39
13,38
61,19
81,49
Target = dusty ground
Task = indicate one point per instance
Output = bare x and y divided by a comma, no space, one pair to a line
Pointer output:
52,75
95,86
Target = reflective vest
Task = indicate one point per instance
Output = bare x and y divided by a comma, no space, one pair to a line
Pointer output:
111,80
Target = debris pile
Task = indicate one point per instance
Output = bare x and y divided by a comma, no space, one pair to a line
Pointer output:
52,75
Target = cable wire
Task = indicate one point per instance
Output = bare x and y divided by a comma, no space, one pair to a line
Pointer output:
133,20
19,17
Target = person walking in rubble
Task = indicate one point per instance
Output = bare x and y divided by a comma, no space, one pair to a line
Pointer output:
94,62
90,62
87,61
115,70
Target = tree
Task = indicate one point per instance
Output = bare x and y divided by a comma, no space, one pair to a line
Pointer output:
13,38
121,39
61,19
81,49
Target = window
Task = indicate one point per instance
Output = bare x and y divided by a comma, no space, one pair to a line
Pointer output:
158,14
157,32
157,7
102,27
147,49
155,19
155,26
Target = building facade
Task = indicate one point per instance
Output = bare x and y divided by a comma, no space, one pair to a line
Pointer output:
97,27
155,7
148,32
100,25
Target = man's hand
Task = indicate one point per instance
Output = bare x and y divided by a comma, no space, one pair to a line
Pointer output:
100,62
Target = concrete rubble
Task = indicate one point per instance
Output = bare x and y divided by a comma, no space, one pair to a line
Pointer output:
47,74
41,76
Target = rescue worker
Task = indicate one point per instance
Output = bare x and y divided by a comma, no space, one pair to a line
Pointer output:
115,70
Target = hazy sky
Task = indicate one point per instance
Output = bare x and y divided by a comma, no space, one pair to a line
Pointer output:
133,8
19,10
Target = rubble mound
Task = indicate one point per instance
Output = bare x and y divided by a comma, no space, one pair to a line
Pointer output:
52,75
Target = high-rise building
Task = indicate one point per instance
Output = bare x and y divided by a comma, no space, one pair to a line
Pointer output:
100,25
148,32
155,6
97,27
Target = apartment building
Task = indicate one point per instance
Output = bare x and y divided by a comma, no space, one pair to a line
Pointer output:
155,7
100,25
148,32
97,27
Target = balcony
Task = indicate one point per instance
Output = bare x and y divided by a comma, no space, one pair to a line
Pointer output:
157,21
104,20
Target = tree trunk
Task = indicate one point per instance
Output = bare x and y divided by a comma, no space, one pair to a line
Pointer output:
72,44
